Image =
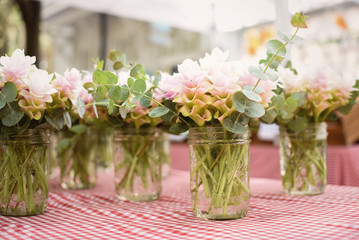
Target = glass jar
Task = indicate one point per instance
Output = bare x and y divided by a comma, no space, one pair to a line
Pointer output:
105,148
164,149
219,173
137,164
303,159
53,163
77,159
24,160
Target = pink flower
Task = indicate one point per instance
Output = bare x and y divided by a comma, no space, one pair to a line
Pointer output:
36,93
167,85
69,85
17,66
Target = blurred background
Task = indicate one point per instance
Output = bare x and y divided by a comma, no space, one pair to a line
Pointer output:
160,34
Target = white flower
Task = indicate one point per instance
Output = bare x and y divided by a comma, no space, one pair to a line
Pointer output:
38,82
16,66
211,62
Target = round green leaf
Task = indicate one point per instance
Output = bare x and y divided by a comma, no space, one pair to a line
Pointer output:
234,127
239,101
139,86
250,88
290,105
257,73
158,112
146,99
179,128
125,93
274,46
254,109
115,93
252,95
118,65
298,124
9,91
111,77
11,114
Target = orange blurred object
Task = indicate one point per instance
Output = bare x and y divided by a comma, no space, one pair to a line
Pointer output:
340,21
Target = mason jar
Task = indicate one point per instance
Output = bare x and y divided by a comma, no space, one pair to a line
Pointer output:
78,162
219,173
137,164
303,157
24,160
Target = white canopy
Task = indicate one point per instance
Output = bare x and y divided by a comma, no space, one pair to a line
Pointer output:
196,15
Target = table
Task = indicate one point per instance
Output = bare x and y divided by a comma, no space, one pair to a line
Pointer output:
98,214
342,162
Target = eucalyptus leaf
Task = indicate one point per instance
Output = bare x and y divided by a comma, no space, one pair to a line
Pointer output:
139,86
79,129
157,79
11,114
80,107
118,65
67,119
172,106
114,93
111,78
146,99
276,47
300,97
123,111
179,128
252,95
100,93
290,105
9,91
258,89
158,112
234,127
125,93
99,77
239,101
89,86
110,106
298,124
278,101
269,116
137,71
257,73
254,109
130,82
55,122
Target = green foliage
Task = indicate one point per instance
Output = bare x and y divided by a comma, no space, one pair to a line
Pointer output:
239,102
11,114
255,71
137,71
80,107
79,129
179,128
298,124
146,99
158,112
276,47
139,86
254,110
252,95
234,126
8,94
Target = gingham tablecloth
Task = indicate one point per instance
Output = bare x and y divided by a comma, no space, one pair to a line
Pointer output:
98,214
342,162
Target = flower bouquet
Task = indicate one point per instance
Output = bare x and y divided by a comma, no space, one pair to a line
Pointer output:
77,149
216,100
128,98
311,95
26,104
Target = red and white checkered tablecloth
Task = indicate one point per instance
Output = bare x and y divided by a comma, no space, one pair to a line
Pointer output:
98,214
